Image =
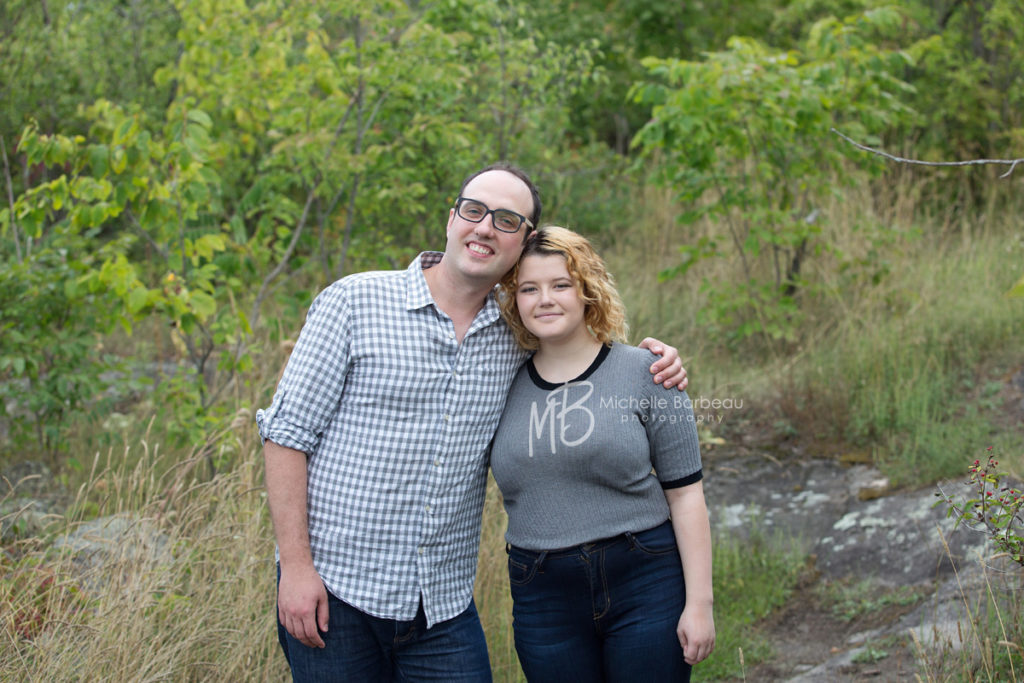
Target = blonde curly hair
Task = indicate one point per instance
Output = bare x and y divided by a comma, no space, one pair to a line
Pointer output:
604,312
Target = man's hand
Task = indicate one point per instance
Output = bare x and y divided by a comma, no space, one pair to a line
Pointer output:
667,370
302,605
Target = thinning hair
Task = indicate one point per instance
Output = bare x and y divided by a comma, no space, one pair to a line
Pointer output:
604,312
518,173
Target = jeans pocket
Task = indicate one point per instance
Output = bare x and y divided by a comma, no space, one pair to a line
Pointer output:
520,574
660,540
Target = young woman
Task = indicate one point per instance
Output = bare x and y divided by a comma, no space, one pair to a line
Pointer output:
609,542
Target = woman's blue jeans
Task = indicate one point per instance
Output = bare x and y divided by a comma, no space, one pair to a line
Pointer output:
601,611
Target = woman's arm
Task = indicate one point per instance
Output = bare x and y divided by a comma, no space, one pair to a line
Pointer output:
696,629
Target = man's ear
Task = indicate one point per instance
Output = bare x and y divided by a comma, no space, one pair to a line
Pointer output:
530,235
451,217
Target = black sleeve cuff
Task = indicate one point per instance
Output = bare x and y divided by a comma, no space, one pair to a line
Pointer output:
685,481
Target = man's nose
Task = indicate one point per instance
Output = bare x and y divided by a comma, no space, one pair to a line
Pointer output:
486,226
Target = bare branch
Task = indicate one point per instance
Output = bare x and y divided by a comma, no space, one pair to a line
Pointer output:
1012,163
10,199
301,225
143,233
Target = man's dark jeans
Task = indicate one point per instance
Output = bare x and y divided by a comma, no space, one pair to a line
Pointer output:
361,647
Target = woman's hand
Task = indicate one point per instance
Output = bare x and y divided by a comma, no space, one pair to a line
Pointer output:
696,631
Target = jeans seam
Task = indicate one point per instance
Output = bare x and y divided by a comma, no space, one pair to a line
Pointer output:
602,577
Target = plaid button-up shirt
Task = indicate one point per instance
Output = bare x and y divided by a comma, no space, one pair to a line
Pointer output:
395,416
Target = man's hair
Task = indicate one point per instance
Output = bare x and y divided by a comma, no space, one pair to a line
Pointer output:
518,173
604,312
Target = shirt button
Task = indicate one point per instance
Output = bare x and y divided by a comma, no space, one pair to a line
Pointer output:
421,551
447,418
437,463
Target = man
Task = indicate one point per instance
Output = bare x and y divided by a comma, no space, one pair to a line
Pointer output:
375,449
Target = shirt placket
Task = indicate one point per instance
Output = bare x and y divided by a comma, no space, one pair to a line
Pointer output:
434,516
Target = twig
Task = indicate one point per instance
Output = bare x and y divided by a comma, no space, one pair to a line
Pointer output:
10,199
142,232
971,162
300,226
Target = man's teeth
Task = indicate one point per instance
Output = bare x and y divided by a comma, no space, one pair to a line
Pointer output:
480,249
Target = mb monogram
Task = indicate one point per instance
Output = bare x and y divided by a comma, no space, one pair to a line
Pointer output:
563,411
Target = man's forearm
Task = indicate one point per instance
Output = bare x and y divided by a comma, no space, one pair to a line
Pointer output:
286,497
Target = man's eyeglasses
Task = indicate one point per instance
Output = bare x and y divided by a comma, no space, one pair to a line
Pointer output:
503,219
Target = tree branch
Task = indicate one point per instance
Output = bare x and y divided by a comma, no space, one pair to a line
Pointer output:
142,232
301,225
10,199
1012,163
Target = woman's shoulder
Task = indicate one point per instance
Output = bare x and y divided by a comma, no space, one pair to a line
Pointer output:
627,353
633,360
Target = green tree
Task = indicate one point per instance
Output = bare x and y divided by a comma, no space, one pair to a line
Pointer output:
302,141
58,56
743,137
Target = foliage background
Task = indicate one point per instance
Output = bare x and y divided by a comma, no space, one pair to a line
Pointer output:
181,178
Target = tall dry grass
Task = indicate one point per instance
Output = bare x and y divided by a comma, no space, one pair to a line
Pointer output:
493,599
148,578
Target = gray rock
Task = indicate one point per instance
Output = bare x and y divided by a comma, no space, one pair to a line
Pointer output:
845,516
110,550
30,478
24,517
115,538
30,500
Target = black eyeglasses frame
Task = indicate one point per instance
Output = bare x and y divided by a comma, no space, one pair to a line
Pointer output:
488,210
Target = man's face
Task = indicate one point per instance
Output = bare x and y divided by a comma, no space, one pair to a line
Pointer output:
477,250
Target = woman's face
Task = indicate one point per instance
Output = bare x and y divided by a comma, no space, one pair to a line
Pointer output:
548,302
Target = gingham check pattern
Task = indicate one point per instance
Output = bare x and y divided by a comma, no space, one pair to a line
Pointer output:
396,417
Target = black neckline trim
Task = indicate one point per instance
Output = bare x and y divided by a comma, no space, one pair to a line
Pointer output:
548,386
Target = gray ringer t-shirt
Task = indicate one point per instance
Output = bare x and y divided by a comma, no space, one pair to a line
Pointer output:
574,461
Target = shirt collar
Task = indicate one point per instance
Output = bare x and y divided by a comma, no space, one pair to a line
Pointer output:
418,293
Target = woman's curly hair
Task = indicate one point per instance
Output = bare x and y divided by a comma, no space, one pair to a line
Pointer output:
604,314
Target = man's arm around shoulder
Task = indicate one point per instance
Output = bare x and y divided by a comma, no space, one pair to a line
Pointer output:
301,597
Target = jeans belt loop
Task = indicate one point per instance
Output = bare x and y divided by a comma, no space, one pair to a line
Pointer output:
631,538
540,558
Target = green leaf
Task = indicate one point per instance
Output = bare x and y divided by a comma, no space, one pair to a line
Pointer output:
1017,291
137,300
98,157
201,117
203,304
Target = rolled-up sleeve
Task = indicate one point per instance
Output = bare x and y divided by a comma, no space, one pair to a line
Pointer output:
307,396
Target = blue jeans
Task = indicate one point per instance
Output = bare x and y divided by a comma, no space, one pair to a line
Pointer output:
601,611
360,647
